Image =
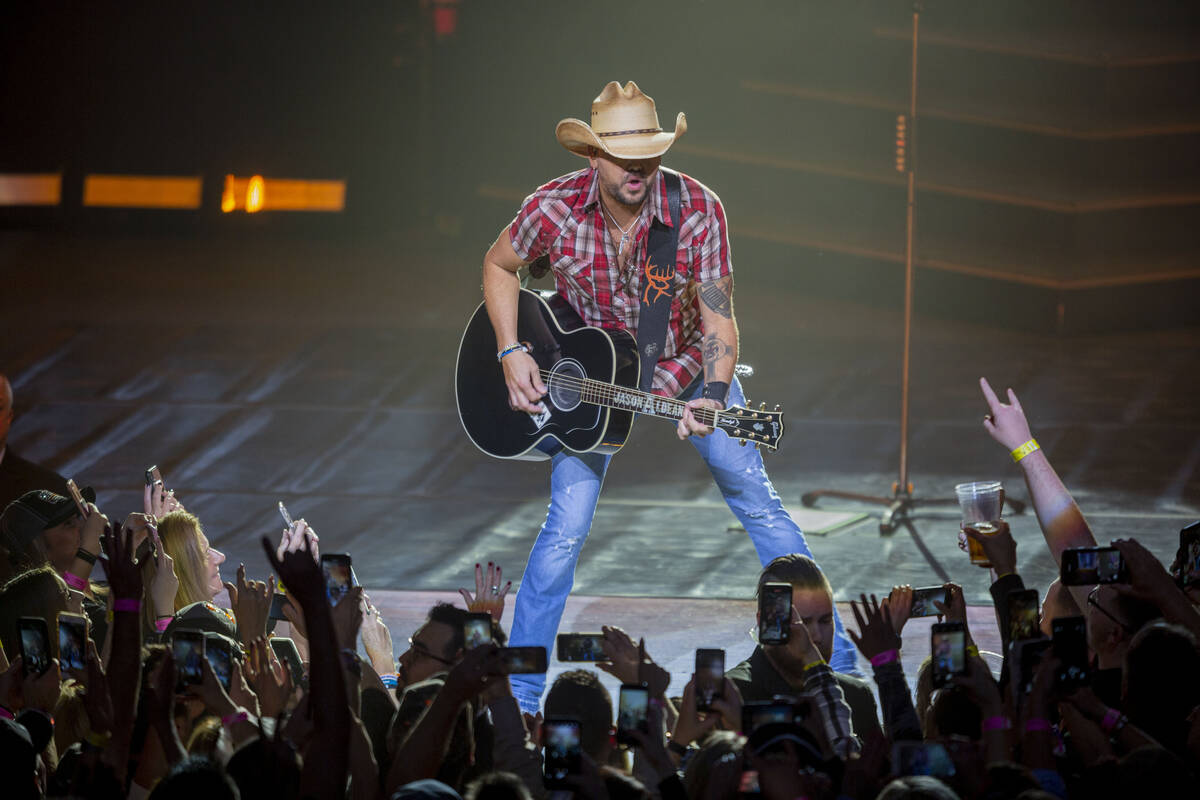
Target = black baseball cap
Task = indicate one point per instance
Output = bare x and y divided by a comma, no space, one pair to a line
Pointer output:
203,616
34,512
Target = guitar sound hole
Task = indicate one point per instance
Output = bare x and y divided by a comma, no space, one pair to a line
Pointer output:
565,384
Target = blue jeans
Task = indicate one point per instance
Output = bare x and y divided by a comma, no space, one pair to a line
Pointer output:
575,480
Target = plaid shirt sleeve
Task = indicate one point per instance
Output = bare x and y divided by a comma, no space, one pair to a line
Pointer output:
707,234
529,232
822,688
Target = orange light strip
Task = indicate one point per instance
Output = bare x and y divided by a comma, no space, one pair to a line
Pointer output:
31,189
282,194
142,191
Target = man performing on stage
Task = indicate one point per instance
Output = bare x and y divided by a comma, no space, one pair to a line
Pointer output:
594,225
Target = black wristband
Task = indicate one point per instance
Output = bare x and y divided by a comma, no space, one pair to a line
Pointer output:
86,556
715,390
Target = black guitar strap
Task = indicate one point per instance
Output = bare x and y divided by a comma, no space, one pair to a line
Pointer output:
658,283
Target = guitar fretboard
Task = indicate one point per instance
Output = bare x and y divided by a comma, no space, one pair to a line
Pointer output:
612,396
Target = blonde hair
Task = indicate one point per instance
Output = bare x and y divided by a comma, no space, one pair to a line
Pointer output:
180,533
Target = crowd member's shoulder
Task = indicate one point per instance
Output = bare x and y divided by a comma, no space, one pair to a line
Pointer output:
20,475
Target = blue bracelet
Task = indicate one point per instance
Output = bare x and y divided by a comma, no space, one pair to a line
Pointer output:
512,348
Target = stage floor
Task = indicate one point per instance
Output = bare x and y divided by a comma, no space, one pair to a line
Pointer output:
320,373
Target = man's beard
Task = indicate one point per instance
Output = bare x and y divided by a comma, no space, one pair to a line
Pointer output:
625,197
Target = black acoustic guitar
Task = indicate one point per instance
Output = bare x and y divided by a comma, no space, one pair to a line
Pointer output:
591,377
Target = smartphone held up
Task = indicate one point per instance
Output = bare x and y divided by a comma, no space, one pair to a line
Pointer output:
709,678
948,645
775,613
1088,566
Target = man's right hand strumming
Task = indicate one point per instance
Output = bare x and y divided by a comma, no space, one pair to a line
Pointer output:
525,386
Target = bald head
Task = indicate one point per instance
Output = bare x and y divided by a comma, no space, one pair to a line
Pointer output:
6,408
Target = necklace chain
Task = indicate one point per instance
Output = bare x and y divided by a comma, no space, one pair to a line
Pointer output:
625,232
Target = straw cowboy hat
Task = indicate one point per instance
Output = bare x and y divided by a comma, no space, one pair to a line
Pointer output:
624,125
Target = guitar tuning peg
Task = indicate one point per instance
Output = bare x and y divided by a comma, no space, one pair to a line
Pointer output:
762,406
777,406
741,442
758,447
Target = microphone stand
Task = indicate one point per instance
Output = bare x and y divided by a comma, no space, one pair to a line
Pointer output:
902,502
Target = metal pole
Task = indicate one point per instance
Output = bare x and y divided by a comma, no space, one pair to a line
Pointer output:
911,155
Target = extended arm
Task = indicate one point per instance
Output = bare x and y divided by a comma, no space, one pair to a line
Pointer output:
501,288
1061,520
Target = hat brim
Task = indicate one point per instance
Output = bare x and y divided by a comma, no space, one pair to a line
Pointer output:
69,510
578,137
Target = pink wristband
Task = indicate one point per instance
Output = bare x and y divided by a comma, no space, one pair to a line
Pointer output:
75,582
886,657
997,724
1111,718
235,717
162,623
5,713
127,604
1037,724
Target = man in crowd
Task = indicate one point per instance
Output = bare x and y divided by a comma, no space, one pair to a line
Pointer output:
788,669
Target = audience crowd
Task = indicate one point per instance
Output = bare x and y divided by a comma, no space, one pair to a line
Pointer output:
141,685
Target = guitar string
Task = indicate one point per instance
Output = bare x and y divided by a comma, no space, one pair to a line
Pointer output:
608,391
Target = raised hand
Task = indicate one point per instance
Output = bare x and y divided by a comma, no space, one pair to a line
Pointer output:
298,570
1148,578
348,617
955,607
251,604
652,742
210,690
42,691
629,663
489,593
158,501
1006,423
270,680
376,638
124,576
470,676
729,706
899,606
999,547
240,692
979,685
300,534
92,529
622,654
165,584
876,631
689,727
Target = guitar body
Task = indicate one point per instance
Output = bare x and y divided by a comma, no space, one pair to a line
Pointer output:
559,342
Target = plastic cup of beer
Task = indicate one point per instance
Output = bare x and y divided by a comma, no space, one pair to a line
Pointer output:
981,503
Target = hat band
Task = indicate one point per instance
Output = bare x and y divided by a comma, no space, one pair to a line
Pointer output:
627,133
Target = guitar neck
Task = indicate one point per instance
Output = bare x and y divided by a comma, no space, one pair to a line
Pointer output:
612,396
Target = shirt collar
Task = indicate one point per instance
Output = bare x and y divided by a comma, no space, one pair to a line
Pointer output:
656,200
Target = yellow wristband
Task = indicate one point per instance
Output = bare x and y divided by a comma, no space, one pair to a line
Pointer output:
1025,449
972,651
820,662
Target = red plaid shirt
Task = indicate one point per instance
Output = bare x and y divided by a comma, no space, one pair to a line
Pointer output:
563,219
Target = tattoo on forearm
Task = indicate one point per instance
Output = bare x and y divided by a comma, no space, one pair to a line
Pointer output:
718,296
715,350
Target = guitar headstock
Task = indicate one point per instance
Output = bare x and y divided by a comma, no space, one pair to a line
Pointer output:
761,427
